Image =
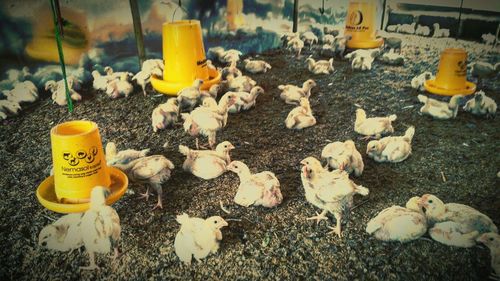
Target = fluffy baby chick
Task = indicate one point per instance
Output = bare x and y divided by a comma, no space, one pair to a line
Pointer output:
481,105
9,107
391,58
212,92
340,45
343,156
100,226
455,224
230,70
296,44
398,223
231,56
492,241
120,87
367,53
330,191
240,83
391,149
261,189
62,235
453,234
114,157
482,70
23,92
438,109
208,119
59,91
292,94
373,127
189,97
300,117
197,237
142,78
100,82
152,171
207,164
418,81
245,100
362,63
309,38
256,66
152,66
165,114
320,67
328,39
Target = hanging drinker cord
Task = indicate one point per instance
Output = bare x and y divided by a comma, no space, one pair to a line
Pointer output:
58,27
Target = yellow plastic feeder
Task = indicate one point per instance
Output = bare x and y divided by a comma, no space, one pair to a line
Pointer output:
184,57
79,166
360,24
451,76
234,11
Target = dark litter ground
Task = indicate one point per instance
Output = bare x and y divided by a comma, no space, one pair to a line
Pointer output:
276,244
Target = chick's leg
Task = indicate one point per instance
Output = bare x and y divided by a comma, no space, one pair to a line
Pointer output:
337,228
145,194
92,265
319,217
158,190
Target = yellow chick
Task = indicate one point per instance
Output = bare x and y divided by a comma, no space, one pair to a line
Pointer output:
391,149
207,164
300,117
100,226
343,156
438,109
373,127
291,94
320,67
399,224
330,191
492,241
481,105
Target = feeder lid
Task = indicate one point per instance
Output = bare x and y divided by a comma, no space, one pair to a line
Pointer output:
47,196
432,87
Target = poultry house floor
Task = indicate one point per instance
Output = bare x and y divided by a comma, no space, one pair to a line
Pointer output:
259,243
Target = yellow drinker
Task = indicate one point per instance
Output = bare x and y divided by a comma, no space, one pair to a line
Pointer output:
360,25
184,57
451,76
79,165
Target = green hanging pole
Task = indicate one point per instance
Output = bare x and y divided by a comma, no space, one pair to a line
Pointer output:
58,23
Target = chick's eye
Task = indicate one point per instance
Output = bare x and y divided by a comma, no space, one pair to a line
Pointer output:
430,201
215,222
491,239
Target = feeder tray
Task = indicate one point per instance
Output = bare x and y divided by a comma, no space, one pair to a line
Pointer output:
167,87
47,196
432,87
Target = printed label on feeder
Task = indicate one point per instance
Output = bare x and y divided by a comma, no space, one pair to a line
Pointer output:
202,62
355,21
81,172
74,159
462,68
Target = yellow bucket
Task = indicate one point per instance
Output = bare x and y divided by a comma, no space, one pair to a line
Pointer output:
79,166
234,11
360,25
78,158
451,77
184,56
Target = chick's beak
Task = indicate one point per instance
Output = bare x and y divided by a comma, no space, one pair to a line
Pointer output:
422,202
223,223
